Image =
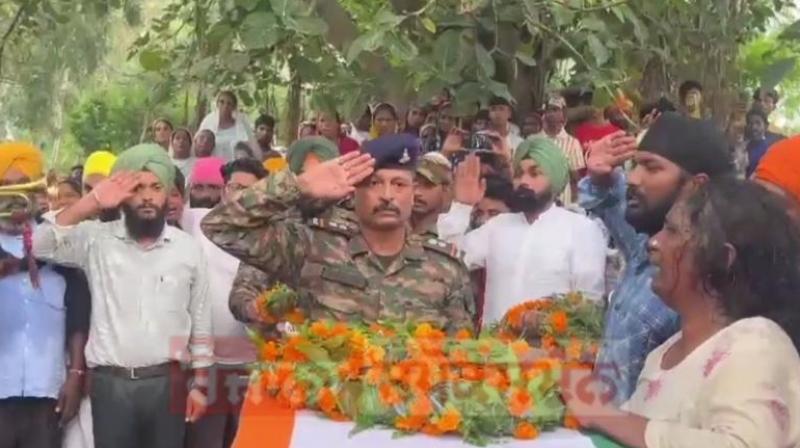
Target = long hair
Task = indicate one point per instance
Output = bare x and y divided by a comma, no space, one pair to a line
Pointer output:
764,277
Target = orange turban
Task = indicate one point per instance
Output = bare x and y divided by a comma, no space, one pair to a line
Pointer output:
21,156
781,166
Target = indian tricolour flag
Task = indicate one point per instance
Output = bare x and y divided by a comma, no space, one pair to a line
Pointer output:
266,424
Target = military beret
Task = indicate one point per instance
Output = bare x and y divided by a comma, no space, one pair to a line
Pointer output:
394,151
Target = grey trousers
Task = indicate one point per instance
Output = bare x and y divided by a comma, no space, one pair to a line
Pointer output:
138,413
29,423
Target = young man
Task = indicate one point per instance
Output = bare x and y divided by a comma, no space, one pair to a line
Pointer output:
44,319
690,94
494,201
554,121
500,113
676,155
539,250
150,305
265,134
371,270
176,201
206,183
432,194
232,348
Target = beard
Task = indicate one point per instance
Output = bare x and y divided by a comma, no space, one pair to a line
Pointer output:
525,200
648,218
139,227
202,202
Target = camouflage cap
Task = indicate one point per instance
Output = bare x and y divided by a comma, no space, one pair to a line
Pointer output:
436,169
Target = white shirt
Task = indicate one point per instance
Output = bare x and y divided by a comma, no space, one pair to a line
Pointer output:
149,305
231,343
560,252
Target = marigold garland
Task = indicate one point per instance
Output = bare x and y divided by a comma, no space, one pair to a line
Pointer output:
414,378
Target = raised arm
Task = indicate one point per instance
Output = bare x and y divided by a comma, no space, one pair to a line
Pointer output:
262,227
602,192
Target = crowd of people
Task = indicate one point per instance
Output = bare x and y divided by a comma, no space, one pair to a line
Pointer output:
128,286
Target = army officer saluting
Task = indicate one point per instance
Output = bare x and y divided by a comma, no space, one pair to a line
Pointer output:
373,269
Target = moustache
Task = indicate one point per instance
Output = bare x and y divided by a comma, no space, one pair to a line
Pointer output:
386,208
634,193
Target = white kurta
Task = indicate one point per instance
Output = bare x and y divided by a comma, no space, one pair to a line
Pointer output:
560,252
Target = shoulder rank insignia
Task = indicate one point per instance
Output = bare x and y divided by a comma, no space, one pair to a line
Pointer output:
334,225
442,247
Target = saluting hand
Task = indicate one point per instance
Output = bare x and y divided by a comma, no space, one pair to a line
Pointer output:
115,190
469,186
608,153
337,178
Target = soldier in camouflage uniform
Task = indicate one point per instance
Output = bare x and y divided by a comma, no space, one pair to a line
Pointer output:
373,269
250,282
432,193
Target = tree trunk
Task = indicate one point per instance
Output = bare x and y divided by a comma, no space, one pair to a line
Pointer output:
293,111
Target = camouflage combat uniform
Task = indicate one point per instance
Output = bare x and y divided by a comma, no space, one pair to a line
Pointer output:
329,264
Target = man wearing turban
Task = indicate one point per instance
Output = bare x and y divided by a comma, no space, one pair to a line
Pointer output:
150,305
42,310
539,250
779,172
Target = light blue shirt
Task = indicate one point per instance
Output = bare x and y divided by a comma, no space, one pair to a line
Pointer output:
32,330
637,321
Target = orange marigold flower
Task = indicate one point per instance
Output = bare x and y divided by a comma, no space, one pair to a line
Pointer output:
520,347
389,395
559,322
327,400
495,378
423,331
339,329
526,431
459,356
515,315
549,343
296,316
320,329
485,349
351,368
376,354
520,402
574,349
375,374
397,372
449,421
471,373
270,351
358,342
421,406
431,430
297,400
463,334
411,423
570,422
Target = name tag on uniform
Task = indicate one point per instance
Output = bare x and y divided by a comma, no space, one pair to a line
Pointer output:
346,276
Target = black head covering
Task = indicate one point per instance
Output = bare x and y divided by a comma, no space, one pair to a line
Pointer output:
697,146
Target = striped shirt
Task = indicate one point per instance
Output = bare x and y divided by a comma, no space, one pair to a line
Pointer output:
574,153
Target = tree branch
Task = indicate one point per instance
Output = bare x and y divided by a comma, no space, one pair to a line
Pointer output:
7,35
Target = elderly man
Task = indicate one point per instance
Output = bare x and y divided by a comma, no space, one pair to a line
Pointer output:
150,303
43,309
432,194
539,250
370,270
